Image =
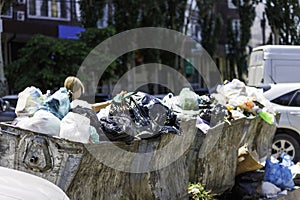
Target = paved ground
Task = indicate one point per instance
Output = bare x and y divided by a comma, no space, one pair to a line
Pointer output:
292,195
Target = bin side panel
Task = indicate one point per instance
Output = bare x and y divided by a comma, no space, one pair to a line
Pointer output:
250,133
215,164
264,139
53,159
8,147
146,169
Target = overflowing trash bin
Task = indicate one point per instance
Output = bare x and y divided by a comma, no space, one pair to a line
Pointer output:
213,157
143,147
81,170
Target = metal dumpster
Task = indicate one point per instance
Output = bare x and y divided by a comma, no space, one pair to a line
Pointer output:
158,168
145,169
212,158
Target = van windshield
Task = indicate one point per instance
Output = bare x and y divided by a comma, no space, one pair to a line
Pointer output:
256,58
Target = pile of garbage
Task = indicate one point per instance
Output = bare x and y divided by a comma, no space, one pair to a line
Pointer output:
130,116
244,101
137,115
230,101
274,178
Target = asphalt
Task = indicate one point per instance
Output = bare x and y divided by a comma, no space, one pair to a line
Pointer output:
291,195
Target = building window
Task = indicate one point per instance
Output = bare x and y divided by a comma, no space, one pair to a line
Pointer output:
77,10
231,5
103,22
49,9
8,13
236,26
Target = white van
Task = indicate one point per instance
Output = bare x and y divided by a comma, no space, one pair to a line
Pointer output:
274,64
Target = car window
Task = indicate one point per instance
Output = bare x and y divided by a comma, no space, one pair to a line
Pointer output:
296,99
285,99
12,99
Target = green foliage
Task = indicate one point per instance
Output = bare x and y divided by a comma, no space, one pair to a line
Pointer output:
246,10
131,14
45,62
5,5
232,35
127,14
94,36
173,16
239,36
210,23
197,192
284,19
91,11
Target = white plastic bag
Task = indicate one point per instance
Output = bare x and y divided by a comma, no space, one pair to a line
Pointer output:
28,101
172,102
200,124
269,190
41,122
75,127
82,103
103,112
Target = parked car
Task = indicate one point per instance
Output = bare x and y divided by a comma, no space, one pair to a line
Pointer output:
286,99
12,99
7,112
16,185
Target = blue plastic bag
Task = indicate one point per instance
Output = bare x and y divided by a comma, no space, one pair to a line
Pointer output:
58,103
279,175
286,160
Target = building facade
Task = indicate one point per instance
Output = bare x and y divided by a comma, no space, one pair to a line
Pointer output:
227,11
26,18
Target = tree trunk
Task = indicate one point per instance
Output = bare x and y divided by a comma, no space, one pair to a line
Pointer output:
3,82
276,36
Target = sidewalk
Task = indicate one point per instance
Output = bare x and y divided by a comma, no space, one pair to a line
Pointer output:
292,195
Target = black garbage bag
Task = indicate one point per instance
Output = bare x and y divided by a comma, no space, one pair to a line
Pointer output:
297,181
118,128
211,112
247,185
150,117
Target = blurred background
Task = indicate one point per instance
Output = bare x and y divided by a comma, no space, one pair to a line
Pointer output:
44,41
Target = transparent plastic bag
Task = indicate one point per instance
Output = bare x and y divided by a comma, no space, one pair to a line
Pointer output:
75,127
29,101
188,99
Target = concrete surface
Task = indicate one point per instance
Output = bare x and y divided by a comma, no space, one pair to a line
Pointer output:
291,195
